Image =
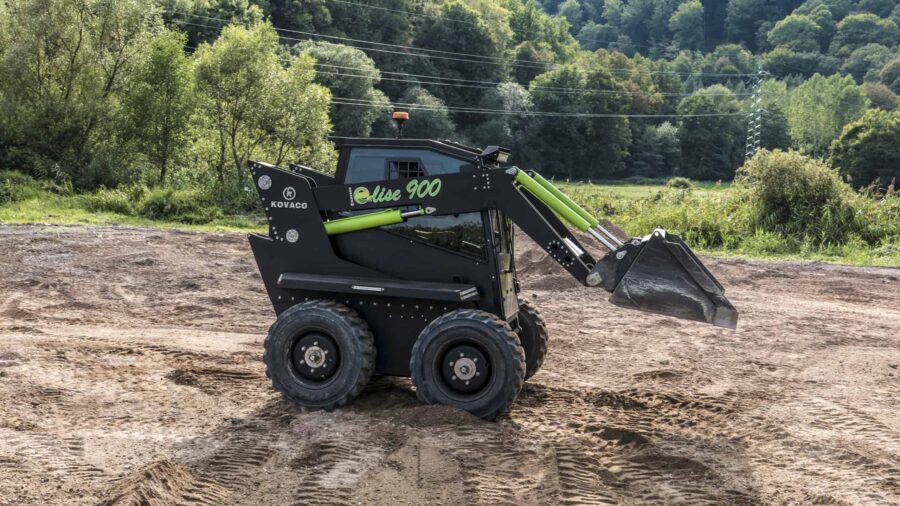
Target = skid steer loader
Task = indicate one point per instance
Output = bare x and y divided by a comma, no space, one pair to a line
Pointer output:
401,264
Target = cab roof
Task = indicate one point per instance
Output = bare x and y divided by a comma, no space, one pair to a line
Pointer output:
442,146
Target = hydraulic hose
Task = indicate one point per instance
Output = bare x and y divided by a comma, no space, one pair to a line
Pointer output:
369,220
547,197
578,209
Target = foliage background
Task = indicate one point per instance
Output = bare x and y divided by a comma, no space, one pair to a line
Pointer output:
151,109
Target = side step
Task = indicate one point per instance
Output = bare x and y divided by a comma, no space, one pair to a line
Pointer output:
379,286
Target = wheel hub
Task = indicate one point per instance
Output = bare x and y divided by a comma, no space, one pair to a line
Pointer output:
315,357
465,368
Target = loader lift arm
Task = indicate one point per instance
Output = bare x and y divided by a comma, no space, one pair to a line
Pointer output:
657,273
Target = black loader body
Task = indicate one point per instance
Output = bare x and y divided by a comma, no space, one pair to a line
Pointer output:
411,245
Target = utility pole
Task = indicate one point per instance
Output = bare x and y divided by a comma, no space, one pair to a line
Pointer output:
755,115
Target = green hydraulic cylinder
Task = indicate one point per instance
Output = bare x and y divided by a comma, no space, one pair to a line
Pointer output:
369,220
565,199
553,202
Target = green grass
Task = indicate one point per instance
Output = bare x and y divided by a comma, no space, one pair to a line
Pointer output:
712,220
617,191
707,217
69,210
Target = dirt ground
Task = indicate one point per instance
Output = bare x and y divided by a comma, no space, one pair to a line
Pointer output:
130,373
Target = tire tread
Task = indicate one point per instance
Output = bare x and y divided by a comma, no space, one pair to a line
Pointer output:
360,331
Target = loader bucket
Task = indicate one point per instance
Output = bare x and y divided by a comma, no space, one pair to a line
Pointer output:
660,274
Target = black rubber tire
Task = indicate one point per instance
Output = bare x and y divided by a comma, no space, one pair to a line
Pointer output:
495,339
349,333
533,335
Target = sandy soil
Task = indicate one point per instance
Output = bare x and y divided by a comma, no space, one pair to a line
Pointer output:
130,373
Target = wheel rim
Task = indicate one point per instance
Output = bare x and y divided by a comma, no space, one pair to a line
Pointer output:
315,357
465,368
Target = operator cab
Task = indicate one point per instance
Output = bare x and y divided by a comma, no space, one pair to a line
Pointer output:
483,237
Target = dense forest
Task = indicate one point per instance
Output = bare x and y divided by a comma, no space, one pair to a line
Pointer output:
180,93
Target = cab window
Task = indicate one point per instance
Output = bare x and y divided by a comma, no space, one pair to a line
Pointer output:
377,164
462,233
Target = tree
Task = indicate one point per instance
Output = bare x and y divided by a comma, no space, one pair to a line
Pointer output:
583,146
655,151
531,25
571,10
158,103
781,61
890,75
743,20
428,118
184,15
296,116
866,150
232,74
881,96
244,92
774,132
711,146
593,36
820,107
686,25
728,59
385,22
512,129
824,19
775,99
647,21
349,74
865,62
64,62
534,61
459,29
838,8
308,15
797,33
881,8
857,30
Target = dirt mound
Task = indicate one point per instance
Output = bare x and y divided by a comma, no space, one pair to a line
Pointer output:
157,484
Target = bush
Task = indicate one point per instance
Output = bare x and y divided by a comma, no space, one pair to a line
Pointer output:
111,201
704,221
768,243
866,150
680,183
15,186
178,205
797,196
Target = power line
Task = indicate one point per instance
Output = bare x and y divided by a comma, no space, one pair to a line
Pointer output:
486,59
476,110
488,84
462,21
492,85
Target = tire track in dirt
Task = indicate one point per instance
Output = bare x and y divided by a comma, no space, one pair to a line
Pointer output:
497,467
120,388
615,447
854,461
62,457
164,482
